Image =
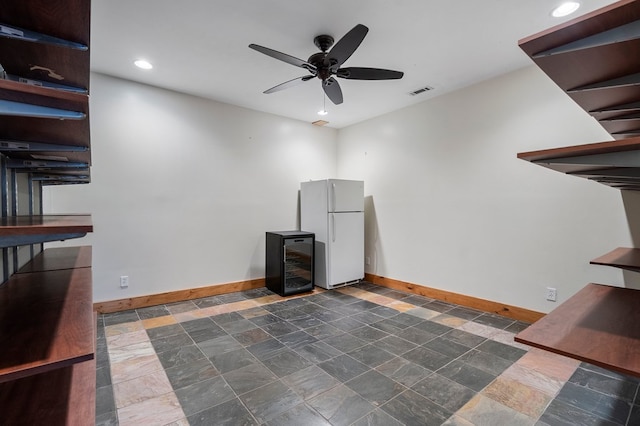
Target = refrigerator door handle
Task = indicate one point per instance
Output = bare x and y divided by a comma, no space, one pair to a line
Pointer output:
333,198
333,227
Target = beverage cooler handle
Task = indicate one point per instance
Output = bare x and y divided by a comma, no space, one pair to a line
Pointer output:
284,253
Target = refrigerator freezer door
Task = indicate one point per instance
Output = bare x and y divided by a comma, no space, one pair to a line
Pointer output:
346,248
345,195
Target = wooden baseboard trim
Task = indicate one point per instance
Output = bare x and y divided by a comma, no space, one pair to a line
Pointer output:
175,296
508,311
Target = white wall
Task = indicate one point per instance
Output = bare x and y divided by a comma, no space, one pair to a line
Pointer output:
450,206
184,188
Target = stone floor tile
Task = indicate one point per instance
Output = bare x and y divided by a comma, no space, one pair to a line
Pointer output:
270,401
228,413
481,410
141,388
158,322
160,410
310,382
412,408
121,328
551,365
203,395
522,398
341,406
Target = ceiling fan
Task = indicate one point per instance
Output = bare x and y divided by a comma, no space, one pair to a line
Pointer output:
325,65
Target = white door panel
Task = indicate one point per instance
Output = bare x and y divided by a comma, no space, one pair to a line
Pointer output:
345,195
346,247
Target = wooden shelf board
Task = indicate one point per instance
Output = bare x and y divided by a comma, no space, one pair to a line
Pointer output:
610,163
59,258
598,325
45,224
65,396
622,257
630,144
28,89
46,322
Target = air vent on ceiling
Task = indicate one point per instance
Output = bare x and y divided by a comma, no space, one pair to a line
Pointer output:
421,90
320,123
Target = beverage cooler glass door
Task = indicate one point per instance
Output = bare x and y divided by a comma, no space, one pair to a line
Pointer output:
298,264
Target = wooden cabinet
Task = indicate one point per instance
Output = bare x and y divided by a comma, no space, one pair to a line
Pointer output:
594,59
47,322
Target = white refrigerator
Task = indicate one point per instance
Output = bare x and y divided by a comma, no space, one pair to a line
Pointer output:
333,209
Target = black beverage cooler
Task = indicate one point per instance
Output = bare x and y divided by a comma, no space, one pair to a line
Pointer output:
289,265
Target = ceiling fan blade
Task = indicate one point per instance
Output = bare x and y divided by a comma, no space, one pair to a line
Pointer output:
333,91
283,57
357,73
288,84
345,47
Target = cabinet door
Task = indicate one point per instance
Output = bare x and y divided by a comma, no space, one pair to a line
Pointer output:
346,247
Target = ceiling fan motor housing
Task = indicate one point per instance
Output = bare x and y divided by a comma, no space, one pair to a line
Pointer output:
323,42
322,64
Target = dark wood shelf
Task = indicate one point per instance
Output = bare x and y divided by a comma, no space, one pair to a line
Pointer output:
622,257
59,258
24,230
593,52
599,325
612,163
65,396
46,321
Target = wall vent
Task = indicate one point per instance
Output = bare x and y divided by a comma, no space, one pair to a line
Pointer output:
421,90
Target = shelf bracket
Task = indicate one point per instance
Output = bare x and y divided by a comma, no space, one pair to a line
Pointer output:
40,164
24,240
9,31
20,109
619,34
612,159
627,80
23,146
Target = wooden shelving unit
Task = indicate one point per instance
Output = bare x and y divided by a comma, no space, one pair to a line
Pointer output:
593,58
599,325
47,323
32,143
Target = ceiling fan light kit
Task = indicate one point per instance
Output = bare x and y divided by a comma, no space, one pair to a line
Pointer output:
327,63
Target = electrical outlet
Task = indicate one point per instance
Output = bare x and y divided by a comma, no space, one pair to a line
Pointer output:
551,294
124,281
367,260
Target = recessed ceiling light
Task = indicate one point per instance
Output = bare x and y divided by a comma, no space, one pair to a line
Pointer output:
566,8
141,63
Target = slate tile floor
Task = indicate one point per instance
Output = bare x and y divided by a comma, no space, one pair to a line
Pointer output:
360,355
